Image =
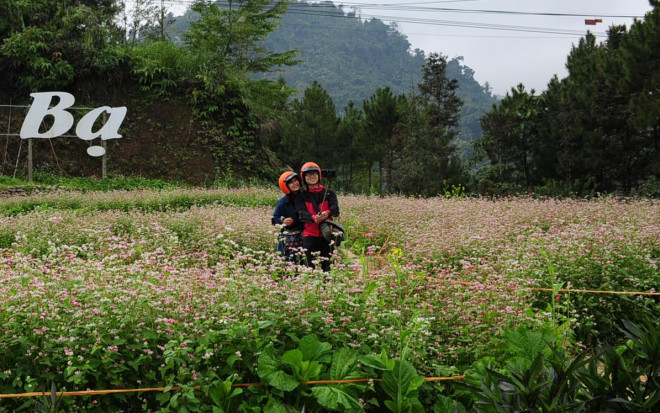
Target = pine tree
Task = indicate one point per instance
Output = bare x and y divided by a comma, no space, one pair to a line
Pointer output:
640,51
510,134
381,115
429,159
310,132
349,154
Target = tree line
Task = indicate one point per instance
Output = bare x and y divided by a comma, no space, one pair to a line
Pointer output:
595,131
391,144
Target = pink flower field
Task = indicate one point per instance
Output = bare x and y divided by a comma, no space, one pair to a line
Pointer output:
99,299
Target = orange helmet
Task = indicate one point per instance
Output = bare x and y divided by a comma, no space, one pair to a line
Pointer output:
310,166
285,178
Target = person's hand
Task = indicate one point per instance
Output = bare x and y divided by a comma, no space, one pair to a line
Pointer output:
288,221
320,217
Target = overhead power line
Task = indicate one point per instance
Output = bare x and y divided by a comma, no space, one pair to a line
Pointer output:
298,8
414,7
451,23
410,7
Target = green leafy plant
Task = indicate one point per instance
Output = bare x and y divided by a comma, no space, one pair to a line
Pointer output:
400,382
626,378
312,360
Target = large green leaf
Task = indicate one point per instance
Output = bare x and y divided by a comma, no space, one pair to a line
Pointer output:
379,363
268,362
270,371
399,382
332,397
444,404
223,391
314,350
343,364
293,358
274,406
281,380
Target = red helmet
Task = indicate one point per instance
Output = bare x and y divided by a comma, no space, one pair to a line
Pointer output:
285,178
310,166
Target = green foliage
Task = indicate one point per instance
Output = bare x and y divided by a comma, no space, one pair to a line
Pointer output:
311,126
226,40
313,360
400,382
348,154
160,67
622,379
148,201
380,143
50,44
455,191
595,131
110,183
633,369
429,160
363,56
509,136
227,99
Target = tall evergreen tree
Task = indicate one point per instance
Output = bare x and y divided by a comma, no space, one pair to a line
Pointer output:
510,134
640,51
381,114
348,152
429,159
310,131
550,127
600,149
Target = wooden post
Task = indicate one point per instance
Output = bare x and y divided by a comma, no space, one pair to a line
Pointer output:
105,149
30,176
104,159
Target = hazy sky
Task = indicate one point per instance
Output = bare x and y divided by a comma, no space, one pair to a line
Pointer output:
505,42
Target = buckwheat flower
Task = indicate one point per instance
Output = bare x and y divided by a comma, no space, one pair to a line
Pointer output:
368,235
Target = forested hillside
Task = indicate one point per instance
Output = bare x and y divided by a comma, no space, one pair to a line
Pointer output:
351,58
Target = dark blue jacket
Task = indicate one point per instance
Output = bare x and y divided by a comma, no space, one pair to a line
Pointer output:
286,208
